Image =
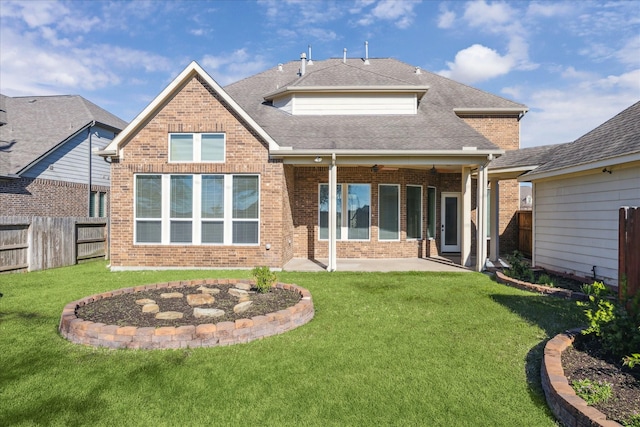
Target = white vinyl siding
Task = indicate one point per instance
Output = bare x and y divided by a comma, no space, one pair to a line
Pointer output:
197,209
345,104
576,221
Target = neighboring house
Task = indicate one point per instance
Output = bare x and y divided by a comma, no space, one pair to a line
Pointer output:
578,189
342,158
48,164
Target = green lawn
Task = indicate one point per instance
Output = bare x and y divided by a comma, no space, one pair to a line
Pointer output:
437,349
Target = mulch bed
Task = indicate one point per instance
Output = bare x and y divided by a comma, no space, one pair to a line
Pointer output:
122,310
586,360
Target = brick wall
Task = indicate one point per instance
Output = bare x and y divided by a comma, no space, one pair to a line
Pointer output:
504,131
197,108
44,197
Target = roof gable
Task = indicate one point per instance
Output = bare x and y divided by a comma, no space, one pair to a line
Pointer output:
192,70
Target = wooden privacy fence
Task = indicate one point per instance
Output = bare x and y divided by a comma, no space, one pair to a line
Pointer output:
629,250
39,243
525,232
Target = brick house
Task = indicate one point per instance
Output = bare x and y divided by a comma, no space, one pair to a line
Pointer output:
48,163
342,158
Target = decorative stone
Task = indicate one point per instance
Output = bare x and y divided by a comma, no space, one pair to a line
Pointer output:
207,312
244,299
150,308
243,286
170,295
242,307
199,299
169,315
210,291
238,292
145,301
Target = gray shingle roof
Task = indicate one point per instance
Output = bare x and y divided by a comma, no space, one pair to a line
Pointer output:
37,124
435,127
524,157
618,136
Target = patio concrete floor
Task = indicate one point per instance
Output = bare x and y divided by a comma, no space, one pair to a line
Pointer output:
382,265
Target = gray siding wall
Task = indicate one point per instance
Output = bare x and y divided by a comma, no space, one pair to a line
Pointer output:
70,162
576,221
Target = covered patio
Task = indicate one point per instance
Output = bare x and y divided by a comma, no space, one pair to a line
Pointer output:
440,264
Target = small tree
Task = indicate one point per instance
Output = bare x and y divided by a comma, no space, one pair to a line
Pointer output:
265,278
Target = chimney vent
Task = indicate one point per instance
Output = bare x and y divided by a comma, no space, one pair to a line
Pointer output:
366,53
344,55
310,61
303,63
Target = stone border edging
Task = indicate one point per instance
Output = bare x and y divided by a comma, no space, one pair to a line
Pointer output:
85,332
567,407
548,290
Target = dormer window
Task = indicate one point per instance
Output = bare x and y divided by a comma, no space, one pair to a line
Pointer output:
196,147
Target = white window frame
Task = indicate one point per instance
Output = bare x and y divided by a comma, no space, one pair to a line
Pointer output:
196,154
196,218
421,211
344,227
380,239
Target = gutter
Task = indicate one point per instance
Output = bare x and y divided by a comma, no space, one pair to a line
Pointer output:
466,151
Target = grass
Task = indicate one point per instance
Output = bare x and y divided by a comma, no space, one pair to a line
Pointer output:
438,349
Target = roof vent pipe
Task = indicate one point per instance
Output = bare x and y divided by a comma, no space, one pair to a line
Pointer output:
418,70
344,55
310,61
366,53
279,67
303,63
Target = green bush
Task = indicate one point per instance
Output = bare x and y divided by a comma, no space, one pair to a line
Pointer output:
592,392
520,269
544,279
632,421
264,277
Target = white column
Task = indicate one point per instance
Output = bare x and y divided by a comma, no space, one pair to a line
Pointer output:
465,240
481,235
494,212
333,190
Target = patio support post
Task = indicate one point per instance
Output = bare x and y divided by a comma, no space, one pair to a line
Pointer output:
481,232
333,190
494,212
465,241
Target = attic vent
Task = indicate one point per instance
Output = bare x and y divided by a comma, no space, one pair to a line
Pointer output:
418,70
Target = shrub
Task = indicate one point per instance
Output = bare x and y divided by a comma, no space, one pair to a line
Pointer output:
544,279
632,361
632,421
519,269
264,277
592,392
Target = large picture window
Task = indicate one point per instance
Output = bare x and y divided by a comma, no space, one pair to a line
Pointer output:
355,201
196,147
414,212
389,212
197,209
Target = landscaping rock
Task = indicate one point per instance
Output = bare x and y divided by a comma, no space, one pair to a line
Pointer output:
242,307
171,295
210,291
150,308
169,315
145,301
243,286
199,299
238,292
207,312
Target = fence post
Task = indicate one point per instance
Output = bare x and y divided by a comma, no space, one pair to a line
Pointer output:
628,252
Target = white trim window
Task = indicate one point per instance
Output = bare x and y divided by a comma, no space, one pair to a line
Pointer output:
389,212
355,201
414,212
197,147
197,209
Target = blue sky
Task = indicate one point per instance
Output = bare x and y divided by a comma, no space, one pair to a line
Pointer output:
574,64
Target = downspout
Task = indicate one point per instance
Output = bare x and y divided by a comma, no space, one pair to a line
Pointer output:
90,171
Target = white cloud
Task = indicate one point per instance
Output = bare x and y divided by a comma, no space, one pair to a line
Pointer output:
399,12
477,63
226,69
446,18
488,16
550,9
630,52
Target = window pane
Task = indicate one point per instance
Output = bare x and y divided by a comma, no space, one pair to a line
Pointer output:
323,204
148,231
245,232
388,207
212,196
181,196
212,149
245,197
92,204
181,147
358,202
102,205
148,196
181,232
213,232
431,212
414,212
